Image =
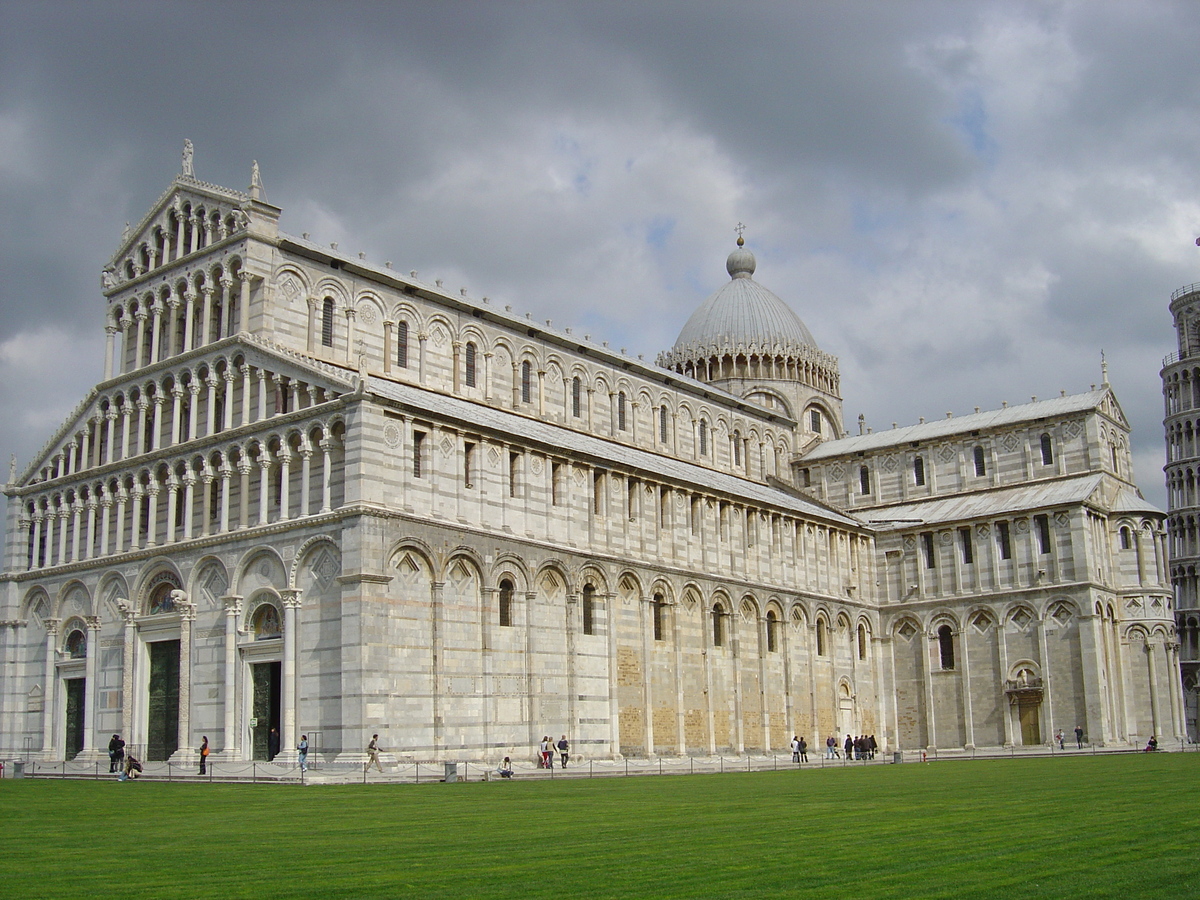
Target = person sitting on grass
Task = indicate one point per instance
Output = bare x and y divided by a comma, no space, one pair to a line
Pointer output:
504,770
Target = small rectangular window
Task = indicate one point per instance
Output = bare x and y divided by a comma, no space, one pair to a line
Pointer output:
968,552
514,469
927,546
418,450
468,464
555,479
598,493
918,471
1004,539
814,421
1042,527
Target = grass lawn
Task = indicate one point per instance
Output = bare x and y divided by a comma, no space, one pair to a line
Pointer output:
1103,826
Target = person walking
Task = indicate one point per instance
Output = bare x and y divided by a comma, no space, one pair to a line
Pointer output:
373,754
830,747
303,749
204,755
563,748
116,754
849,747
546,749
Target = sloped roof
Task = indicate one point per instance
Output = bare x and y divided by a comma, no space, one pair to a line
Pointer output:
1057,407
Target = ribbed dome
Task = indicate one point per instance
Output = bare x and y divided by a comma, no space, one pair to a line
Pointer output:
742,315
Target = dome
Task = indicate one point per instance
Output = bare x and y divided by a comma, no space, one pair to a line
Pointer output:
743,315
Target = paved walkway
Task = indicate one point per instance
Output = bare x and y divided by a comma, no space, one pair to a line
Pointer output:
465,770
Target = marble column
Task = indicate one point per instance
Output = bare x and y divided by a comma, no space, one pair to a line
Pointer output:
233,612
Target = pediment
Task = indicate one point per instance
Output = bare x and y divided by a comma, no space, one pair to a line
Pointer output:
260,354
1110,407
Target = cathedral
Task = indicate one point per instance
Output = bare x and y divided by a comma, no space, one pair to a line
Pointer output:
317,495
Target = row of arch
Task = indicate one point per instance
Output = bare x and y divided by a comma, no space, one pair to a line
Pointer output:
181,229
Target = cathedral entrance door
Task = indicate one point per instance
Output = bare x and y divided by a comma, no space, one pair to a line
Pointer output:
268,681
162,731
75,695
1031,731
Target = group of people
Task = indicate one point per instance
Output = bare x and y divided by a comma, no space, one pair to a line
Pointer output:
124,765
546,751
861,747
1060,738
799,749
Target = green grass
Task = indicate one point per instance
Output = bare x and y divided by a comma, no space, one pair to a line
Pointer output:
1106,826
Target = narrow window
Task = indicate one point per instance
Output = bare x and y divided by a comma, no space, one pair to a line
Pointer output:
631,498
555,479
919,471
1042,526
696,510
526,382
576,396
862,642
1126,538
662,423
772,631
468,464
806,477
864,480
821,637
927,545
621,411
1047,451
1004,539
703,437
968,552
402,344
598,493
589,609
656,608
718,626
470,361
980,463
514,467
814,421
737,448
506,598
946,646
418,450
327,322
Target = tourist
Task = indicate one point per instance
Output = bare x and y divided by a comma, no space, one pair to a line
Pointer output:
303,748
133,768
1058,736
546,749
1079,737
849,747
795,749
204,755
373,754
830,747
872,746
273,743
1152,744
116,753
803,750
563,747
505,769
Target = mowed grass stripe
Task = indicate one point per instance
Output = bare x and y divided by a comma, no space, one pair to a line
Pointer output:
1104,826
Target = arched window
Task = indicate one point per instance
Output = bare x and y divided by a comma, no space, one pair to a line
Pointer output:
864,480
772,631
589,609
526,381
703,437
718,625
1126,538
1047,451
656,608
946,646
266,624
980,462
506,598
402,344
576,396
662,423
327,322
621,411
76,645
862,642
919,471
737,448
470,363
821,638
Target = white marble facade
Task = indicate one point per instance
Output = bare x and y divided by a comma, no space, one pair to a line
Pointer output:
318,494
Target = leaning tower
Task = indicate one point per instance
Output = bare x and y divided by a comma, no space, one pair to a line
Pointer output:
1181,395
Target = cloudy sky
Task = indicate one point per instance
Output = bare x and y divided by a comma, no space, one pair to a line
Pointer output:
966,202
